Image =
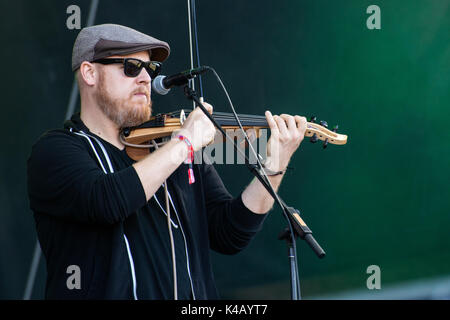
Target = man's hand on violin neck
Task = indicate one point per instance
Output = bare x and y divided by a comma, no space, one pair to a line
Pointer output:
287,132
198,128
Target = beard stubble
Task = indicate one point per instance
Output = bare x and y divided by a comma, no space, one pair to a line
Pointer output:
124,112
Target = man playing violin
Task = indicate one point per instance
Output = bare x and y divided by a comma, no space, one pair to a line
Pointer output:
97,209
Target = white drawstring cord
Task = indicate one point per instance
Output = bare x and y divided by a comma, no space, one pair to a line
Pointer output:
130,256
172,245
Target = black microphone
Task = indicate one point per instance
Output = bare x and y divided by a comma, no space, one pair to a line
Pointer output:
162,84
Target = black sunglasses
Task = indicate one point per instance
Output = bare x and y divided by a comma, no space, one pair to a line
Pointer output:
132,67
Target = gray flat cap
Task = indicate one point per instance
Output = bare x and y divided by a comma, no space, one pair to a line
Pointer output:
106,40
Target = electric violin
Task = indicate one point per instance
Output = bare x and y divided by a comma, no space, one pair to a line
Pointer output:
138,140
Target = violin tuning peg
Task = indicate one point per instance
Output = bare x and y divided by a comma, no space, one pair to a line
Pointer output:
325,143
313,119
335,128
323,123
313,138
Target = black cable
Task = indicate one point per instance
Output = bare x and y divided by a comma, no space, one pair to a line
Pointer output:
265,178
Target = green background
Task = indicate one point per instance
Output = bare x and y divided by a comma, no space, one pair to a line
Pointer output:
382,199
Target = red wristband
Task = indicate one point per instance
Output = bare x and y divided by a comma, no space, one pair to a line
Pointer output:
190,159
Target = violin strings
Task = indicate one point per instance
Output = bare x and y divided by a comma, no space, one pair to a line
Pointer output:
228,118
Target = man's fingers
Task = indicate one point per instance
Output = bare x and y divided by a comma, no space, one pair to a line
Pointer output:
272,124
301,124
208,107
291,124
282,127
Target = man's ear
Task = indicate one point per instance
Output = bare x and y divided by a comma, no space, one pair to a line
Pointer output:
88,73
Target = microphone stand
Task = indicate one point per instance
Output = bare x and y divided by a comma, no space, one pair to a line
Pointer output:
296,225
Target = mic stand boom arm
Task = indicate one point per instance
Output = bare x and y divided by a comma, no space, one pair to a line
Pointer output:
292,214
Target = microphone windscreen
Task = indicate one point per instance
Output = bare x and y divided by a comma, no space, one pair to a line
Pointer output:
158,86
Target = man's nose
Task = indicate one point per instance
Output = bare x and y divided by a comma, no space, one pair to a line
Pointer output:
143,77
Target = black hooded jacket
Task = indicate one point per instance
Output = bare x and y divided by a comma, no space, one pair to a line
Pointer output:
101,225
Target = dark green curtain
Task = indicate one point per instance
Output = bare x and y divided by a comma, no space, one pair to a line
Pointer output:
379,200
